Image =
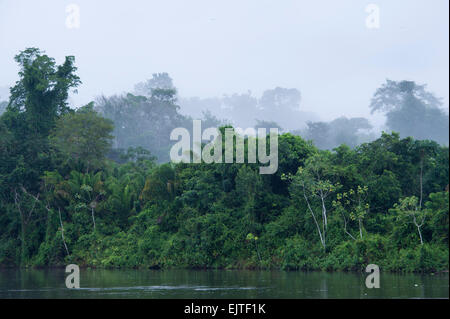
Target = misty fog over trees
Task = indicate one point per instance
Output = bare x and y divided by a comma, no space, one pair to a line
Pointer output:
146,116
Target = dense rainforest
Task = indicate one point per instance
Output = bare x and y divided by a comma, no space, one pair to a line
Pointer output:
73,190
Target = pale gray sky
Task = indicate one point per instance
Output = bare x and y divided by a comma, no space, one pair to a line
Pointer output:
215,47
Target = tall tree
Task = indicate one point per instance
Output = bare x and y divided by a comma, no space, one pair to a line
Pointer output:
409,210
83,136
411,110
313,184
37,100
160,86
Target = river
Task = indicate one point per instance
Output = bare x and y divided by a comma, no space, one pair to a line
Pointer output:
95,283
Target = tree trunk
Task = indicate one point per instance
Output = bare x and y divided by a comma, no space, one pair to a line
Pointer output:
420,235
62,231
93,218
360,228
322,238
23,246
345,227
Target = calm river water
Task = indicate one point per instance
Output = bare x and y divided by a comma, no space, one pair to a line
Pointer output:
50,283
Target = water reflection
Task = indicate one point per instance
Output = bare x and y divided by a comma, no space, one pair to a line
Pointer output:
50,283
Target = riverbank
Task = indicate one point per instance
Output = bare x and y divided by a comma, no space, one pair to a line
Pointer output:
351,256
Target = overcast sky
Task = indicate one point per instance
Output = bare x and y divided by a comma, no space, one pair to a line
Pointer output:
215,47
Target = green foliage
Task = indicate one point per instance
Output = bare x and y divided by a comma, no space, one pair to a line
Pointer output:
62,201
438,208
83,137
353,206
36,102
408,210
